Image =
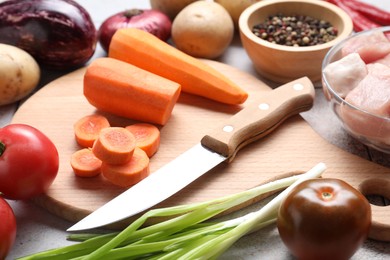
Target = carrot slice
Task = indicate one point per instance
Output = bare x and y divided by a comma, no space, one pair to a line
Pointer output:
130,173
125,90
87,129
115,145
85,164
147,137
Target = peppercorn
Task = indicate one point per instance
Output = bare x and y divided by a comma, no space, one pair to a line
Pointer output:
295,30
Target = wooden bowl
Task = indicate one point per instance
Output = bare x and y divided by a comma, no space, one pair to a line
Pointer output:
282,63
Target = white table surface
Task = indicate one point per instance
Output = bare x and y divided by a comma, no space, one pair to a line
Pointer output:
39,230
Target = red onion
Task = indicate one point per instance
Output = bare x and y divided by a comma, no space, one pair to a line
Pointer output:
152,21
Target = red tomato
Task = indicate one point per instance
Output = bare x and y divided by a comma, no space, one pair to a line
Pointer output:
28,161
7,228
324,219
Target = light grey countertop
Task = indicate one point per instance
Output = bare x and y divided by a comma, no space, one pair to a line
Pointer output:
39,230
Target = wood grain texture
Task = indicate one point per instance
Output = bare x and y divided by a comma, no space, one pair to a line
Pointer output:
292,148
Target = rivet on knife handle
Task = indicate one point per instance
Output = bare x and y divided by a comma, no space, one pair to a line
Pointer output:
261,117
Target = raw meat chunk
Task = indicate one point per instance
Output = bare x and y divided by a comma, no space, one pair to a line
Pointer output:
345,74
371,47
361,124
385,60
372,94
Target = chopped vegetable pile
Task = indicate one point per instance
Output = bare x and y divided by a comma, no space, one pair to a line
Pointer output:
120,154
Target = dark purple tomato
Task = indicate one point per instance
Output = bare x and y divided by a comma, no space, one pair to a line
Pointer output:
324,219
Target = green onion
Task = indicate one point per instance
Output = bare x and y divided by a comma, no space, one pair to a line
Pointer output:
188,233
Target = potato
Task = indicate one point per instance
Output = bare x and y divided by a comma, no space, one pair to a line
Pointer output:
170,7
203,29
19,74
235,7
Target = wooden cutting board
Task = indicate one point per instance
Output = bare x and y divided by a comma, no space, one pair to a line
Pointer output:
292,148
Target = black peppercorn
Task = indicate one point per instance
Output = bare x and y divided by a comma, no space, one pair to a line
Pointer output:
295,30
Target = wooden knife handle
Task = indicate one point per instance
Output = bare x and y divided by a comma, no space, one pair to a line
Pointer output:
260,117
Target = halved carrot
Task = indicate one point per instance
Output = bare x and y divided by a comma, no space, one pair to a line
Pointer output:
115,145
87,129
125,90
128,174
85,164
147,137
148,52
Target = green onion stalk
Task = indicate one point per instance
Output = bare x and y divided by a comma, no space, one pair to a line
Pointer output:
188,232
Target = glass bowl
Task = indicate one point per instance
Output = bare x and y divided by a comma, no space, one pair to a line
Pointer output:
369,128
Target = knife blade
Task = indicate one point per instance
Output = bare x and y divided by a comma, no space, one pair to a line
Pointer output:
250,124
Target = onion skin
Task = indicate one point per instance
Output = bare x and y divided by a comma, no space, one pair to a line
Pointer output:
59,34
152,21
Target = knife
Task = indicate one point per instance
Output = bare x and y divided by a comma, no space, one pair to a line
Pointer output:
250,124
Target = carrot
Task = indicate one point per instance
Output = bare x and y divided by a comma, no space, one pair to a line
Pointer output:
147,137
125,90
128,174
85,164
148,52
115,145
87,129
